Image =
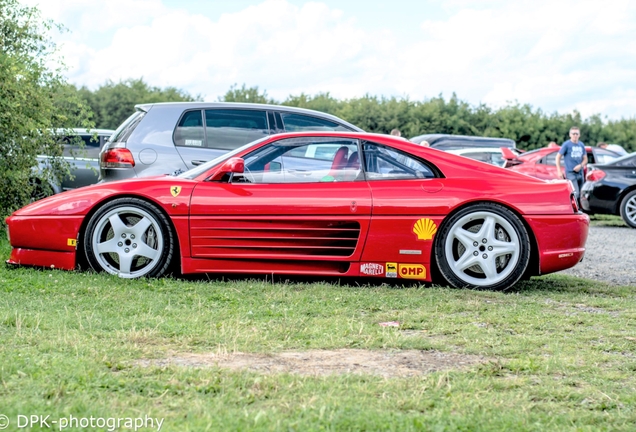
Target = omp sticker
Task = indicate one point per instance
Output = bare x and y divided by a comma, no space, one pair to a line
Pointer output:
391,270
175,190
71,242
412,271
425,229
372,269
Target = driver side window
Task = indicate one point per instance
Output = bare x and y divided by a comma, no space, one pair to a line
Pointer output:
303,160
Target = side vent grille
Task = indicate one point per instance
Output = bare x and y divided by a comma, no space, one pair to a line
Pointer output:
224,238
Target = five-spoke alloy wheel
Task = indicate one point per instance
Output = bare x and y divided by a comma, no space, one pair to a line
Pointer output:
130,238
483,246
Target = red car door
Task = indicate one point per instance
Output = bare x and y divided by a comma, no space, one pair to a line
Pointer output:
286,212
408,206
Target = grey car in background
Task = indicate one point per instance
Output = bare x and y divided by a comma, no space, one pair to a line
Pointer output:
455,142
164,138
81,149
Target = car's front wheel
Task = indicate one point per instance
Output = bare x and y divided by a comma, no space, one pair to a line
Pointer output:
130,238
483,246
628,209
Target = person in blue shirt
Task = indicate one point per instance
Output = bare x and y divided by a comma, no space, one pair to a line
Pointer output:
575,159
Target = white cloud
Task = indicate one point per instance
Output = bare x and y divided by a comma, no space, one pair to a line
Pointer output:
88,16
556,55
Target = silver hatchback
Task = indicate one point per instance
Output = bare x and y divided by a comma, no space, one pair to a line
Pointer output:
164,138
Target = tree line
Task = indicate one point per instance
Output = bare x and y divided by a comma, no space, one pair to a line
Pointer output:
530,128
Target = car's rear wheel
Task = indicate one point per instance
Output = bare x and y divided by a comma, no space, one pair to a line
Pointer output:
130,238
483,246
628,209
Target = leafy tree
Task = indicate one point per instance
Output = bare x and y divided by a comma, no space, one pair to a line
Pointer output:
622,132
244,94
323,102
530,128
112,103
35,101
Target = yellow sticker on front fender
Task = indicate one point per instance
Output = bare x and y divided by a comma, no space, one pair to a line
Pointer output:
425,229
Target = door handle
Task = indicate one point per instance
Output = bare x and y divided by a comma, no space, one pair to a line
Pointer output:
198,162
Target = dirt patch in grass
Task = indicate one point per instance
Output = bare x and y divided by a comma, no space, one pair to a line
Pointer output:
328,362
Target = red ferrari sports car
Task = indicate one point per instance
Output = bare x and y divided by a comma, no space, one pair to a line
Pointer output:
541,163
314,203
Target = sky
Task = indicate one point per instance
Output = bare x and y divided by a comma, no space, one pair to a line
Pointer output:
556,55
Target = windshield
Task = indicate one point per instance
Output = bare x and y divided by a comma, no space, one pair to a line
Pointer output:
195,172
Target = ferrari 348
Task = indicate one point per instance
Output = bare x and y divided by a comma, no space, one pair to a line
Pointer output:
343,204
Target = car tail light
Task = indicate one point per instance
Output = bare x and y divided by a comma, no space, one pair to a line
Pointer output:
117,158
575,205
594,175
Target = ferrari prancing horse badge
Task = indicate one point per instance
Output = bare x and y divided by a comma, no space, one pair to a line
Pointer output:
175,190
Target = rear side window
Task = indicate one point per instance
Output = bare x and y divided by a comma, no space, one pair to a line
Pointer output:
386,163
225,129
300,123
229,129
189,132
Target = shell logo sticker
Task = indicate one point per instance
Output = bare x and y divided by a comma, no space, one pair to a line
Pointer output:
175,190
71,242
391,270
425,229
412,271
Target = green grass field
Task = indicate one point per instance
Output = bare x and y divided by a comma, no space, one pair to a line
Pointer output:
607,220
559,353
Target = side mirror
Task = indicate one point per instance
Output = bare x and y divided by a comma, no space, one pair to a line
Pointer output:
233,165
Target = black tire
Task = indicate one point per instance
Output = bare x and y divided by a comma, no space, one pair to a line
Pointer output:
483,246
130,238
628,209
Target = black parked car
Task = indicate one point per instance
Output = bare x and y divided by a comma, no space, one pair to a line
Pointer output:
164,138
455,142
611,189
